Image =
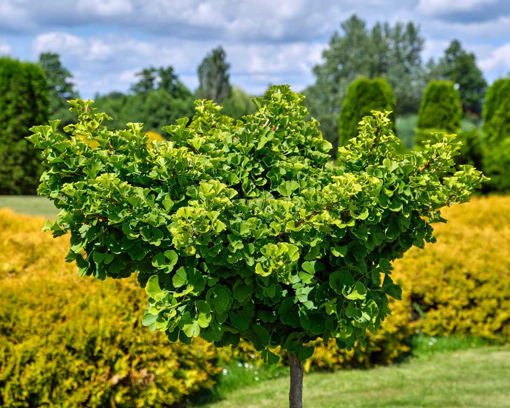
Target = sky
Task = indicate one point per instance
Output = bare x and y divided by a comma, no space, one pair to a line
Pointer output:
105,42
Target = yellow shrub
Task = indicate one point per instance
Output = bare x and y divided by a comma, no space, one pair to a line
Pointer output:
462,282
154,136
71,341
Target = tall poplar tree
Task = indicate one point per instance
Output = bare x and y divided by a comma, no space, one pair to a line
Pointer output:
213,76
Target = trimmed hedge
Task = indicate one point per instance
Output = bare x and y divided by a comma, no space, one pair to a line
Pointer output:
363,96
440,110
496,128
23,104
58,346
471,148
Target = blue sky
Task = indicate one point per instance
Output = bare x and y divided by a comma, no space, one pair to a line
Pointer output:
105,42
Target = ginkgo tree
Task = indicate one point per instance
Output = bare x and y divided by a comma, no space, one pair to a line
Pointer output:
243,229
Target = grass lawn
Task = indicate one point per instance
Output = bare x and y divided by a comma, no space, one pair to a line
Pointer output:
473,378
30,205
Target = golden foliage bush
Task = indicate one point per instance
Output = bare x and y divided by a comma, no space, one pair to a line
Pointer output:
67,341
461,284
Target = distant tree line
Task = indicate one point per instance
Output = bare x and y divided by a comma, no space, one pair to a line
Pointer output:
392,52
157,98
362,69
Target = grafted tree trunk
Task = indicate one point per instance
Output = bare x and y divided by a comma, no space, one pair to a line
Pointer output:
296,382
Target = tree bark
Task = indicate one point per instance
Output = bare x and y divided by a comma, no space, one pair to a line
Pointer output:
296,382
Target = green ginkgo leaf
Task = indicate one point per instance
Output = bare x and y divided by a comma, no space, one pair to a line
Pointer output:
357,292
153,289
180,277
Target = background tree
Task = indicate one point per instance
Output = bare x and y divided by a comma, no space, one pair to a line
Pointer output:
60,87
59,80
23,104
496,132
440,110
242,230
459,66
147,81
391,52
238,104
363,96
159,97
213,77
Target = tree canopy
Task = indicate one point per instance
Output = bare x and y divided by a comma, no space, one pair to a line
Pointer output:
496,132
23,104
213,76
363,96
243,230
60,86
158,97
440,109
390,52
459,66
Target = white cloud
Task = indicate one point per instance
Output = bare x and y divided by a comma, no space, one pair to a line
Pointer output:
440,7
4,48
105,7
433,48
110,63
251,20
498,61
12,15
104,42
57,42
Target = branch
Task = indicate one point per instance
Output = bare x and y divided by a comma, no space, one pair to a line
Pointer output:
375,138
301,221
427,165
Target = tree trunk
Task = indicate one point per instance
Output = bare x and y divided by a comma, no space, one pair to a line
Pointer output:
296,382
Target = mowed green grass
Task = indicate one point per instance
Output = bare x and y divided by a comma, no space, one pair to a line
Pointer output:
473,378
30,205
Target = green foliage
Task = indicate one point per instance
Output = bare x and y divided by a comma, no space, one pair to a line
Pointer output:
156,108
363,96
406,128
471,147
60,87
238,104
496,132
213,77
23,104
159,98
440,111
459,66
147,81
389,51
243,230
160,79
